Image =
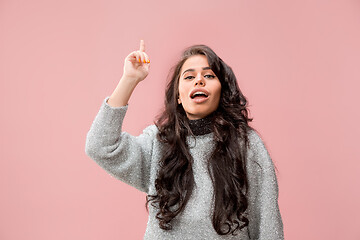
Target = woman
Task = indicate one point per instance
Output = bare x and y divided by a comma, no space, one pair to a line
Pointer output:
206,172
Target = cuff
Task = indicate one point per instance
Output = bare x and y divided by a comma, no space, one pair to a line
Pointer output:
107,105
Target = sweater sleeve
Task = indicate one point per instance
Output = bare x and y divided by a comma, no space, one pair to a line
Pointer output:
264,215
125,157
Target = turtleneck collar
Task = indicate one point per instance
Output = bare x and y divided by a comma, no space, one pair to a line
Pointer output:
201,126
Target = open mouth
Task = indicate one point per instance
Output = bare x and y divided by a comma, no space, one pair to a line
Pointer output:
199,94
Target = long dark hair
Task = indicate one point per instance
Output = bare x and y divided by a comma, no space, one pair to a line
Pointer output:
175,180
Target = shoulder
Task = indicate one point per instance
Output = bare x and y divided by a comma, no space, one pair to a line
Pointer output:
149,134
257,152
151,130
145,139
255,138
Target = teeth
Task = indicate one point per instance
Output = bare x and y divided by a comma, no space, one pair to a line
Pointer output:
199,93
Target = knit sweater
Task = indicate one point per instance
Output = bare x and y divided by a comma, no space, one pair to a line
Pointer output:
134,161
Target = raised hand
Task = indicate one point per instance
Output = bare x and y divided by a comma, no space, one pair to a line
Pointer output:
136,68
137,63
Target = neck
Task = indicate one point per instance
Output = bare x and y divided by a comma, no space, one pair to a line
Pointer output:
201,126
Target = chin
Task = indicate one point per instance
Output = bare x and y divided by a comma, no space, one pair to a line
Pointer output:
198,115
199,112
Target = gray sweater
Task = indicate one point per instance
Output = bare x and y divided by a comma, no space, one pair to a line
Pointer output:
134,160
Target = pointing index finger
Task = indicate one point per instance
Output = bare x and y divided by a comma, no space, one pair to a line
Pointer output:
142,46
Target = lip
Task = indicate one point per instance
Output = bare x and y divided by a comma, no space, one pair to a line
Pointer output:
200,90
202,99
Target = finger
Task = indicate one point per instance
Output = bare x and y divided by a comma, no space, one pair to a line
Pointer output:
134,57
142,46
142,57
138,57
147,59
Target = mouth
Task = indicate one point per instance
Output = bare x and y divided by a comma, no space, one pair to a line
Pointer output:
199,94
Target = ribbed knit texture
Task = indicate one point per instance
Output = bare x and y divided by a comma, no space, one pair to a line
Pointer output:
134,160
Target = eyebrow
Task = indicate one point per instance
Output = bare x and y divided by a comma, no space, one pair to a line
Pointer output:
191,69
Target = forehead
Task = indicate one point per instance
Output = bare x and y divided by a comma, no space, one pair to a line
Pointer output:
196,62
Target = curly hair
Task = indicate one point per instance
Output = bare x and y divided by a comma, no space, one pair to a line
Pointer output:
175,180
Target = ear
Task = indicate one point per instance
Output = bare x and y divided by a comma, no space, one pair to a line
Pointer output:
179,101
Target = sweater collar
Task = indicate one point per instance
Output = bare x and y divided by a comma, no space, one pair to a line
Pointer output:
201,126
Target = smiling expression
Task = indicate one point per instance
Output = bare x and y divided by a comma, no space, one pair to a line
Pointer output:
199,88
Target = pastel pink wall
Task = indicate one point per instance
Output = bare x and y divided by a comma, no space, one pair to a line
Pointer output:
296,61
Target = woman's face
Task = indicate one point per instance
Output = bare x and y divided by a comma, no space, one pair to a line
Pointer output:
199,88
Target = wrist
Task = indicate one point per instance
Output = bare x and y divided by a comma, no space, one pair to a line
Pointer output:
129,80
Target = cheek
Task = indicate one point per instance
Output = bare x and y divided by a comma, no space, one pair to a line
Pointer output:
218,91
183,91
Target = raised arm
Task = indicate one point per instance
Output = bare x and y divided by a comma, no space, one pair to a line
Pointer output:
126,157
264,215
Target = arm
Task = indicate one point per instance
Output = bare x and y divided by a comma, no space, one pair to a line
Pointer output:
123,156
126,157
264,215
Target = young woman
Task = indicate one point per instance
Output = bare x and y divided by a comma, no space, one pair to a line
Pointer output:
206,172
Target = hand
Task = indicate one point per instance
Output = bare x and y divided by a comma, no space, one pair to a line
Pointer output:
136,66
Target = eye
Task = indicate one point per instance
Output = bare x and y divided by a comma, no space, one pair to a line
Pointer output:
210,76
206,76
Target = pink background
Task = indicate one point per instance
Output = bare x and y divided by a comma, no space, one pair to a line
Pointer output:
296,61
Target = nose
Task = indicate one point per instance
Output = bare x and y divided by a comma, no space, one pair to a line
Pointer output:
199,81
